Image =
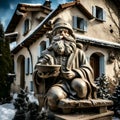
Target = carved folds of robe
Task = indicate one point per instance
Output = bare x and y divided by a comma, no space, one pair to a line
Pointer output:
76,62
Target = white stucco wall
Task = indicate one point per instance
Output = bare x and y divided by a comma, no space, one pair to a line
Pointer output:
99,29
96,29
34,49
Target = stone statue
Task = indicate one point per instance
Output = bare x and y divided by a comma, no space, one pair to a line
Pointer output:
75,79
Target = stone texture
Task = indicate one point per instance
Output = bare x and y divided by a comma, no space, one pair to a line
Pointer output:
103,116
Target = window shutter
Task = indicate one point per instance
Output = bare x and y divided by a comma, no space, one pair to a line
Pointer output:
104,15
85,25
94,11
15,67
39,50
30,24
74,22
31,85
38,58
30,64
26,25
47,43
81,25
41,47
102,65
27,66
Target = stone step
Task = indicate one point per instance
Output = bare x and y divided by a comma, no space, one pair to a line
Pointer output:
93,116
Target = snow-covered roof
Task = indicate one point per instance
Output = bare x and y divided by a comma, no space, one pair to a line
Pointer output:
10,34
40,29
33,32
30,4
23,8
99,42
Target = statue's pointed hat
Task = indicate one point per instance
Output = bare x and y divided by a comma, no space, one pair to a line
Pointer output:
60,23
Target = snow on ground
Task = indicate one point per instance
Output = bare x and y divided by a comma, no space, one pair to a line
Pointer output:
7,111
32,98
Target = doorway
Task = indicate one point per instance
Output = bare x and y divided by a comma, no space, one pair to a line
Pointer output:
97,62
21,71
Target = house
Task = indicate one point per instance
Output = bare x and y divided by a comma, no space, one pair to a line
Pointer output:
96,26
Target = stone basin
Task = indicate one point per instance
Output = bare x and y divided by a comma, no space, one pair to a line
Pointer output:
46,71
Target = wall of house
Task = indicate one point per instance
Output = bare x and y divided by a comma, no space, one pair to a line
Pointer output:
35,51
99,29
34,21
20,27
24,52
96,28
37,18
109,71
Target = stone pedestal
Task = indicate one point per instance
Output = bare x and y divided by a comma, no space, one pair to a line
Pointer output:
102,116
93,109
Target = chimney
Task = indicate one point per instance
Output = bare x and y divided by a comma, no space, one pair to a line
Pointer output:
47,3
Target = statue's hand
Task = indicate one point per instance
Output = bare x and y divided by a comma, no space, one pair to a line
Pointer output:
54,73
69,75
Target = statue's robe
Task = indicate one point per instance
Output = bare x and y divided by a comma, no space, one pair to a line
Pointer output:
76,62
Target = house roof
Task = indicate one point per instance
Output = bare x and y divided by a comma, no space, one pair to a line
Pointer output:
43,26
11,36
21,9
97,42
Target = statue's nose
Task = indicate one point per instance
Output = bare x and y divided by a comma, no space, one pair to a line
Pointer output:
62,32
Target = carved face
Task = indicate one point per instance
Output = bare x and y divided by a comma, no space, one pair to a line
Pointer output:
63,47
63,43
62,32
59,47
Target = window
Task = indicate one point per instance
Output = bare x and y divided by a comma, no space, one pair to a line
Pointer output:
47,43
99,13
97,62
41,47
31,85
79,24
27,62
26,27
30,66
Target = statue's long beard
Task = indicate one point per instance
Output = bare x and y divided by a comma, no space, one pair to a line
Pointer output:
68,43
69,48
